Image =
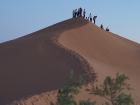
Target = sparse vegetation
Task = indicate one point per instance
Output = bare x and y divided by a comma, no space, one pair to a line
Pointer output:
113,90
66,94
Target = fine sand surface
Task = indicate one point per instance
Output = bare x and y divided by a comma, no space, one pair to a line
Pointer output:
106,52
42,61
36,63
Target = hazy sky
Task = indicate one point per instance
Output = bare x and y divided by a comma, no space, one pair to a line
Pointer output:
20,17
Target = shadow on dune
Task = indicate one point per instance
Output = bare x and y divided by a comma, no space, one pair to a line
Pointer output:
35,63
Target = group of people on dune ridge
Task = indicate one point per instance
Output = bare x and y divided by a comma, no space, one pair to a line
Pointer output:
82,13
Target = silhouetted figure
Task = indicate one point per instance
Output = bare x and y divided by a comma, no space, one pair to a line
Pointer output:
86,18
84,13
80,12
107,29
102,27
90,17
76,13
94,19
73,14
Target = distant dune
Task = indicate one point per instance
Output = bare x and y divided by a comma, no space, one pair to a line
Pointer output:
41,61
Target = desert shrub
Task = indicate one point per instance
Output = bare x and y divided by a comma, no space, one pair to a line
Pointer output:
71,88
113,90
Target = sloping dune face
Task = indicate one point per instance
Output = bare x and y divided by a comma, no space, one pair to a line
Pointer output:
36,63
106,52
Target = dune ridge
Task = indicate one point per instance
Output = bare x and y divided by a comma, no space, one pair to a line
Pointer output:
36,63
107,52
86,46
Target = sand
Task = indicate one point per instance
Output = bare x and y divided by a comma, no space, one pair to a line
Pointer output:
36,63
106,52
41,61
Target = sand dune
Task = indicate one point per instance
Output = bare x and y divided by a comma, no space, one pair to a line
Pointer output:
41,61
36,63
106,52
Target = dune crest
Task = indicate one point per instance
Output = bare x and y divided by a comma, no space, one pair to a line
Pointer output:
36,63
106,52
40,62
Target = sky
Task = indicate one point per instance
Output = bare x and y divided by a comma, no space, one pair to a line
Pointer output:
21,17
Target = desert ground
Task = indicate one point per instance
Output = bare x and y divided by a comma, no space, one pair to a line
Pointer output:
33,65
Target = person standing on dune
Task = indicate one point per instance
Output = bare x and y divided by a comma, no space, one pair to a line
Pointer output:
94,19
76,13
102,27
80,12
84,13
90,17
107,29
73,14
